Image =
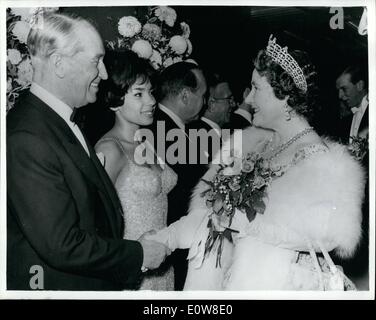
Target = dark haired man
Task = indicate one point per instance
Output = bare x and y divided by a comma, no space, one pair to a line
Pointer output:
180,92
352,86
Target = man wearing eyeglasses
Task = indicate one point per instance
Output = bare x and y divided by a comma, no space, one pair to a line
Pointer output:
220,104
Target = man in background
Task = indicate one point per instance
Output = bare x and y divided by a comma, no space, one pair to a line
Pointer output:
180,91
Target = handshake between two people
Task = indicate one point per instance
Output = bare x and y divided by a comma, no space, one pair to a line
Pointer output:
154,252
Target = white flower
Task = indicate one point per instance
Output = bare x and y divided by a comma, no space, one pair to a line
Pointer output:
21,30
234,169
178,44
166,14
24,13
25,72
190,47
156,59
151,31
14,56
143,48
129,26
186,30
168,62
9,85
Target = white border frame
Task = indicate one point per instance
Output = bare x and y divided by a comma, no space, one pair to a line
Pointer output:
213,295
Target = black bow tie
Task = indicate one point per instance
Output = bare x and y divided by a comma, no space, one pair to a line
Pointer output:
74,116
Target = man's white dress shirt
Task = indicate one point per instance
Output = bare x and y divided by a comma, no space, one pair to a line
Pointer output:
61,108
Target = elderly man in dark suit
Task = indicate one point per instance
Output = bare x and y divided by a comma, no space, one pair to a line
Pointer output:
65,222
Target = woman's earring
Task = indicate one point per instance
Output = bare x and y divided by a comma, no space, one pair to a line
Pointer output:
287,112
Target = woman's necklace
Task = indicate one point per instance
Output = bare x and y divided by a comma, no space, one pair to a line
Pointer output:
285,145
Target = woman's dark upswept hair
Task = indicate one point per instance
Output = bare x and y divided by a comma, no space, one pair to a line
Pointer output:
124,69
303,103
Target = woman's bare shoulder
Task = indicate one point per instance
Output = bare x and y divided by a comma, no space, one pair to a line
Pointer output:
108,147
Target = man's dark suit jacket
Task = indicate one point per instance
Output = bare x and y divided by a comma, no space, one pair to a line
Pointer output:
206,150
63,212
341,131
179,196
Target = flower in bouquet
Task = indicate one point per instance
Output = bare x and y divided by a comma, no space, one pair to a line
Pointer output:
143,48
25,72
14,56
240,184
178,44
21,30
151,31
166,14
129,26
358,147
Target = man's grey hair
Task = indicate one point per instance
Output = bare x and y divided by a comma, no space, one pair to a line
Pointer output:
56,33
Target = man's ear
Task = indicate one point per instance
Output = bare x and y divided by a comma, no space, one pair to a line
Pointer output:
360,85
57,64
210,104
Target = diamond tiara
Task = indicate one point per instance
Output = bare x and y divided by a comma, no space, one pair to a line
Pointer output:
280,56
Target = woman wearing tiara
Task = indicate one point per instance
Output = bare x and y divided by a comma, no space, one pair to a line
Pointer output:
142,188
304,198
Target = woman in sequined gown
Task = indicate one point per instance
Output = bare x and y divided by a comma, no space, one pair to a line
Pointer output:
142,188
313,205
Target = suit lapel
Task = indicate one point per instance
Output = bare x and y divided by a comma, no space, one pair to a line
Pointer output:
90,167
69,141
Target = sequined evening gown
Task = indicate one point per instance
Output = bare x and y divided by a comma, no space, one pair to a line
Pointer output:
143,191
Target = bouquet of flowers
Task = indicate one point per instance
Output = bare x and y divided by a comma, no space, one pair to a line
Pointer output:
19,69
358,147
157,38
239,184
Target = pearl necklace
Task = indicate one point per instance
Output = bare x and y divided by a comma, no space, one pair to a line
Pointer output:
285,145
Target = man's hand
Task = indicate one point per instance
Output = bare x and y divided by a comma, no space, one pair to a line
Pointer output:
154,252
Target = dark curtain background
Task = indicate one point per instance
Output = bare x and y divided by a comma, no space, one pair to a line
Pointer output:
228,38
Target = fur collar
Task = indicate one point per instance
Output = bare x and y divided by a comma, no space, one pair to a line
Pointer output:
320,197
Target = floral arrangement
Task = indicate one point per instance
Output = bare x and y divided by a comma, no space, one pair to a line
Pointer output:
158,38
19,69
240,184
358,147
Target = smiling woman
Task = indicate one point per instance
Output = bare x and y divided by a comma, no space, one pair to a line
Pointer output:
313,193
142,189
